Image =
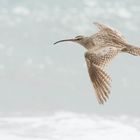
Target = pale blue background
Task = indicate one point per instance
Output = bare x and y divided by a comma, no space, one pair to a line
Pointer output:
37,77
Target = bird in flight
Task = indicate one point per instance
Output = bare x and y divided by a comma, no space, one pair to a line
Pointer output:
101,48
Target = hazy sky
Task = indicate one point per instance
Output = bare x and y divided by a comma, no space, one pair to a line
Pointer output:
36,76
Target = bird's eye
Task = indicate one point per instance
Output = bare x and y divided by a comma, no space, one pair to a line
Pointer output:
79,37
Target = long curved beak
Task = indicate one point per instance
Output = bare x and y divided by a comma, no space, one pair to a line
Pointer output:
64,40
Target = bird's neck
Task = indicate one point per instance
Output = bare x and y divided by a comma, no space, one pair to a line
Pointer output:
88,43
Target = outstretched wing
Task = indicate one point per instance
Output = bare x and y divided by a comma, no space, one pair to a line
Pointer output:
96,61
110,31
100,26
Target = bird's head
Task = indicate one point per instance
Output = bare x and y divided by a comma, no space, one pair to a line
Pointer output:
78,39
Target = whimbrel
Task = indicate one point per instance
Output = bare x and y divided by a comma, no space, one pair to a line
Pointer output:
102,47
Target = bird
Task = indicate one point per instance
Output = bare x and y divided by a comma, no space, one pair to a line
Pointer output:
102,47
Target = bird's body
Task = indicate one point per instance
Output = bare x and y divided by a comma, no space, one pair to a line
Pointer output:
102,47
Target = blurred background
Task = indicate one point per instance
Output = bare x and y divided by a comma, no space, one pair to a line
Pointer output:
36,76
39,79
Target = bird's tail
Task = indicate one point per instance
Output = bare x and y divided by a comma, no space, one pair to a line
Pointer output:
132,50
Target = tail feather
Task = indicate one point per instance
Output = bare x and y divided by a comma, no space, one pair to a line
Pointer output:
132,50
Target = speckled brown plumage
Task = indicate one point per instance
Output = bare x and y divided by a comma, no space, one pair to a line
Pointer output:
102,47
